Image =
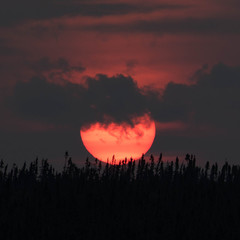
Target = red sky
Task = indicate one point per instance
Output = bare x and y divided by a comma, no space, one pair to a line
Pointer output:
154,42
153,55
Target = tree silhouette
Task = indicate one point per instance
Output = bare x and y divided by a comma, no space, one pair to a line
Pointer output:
143,199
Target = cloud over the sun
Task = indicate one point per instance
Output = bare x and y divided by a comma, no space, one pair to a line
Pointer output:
213,99
100,99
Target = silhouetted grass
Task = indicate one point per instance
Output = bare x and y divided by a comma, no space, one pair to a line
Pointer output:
130,200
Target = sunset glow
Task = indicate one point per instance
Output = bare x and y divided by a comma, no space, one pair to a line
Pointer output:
120,141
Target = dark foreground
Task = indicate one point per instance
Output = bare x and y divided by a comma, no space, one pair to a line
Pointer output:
135,200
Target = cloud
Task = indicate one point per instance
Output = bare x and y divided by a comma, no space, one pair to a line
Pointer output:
191,25
7,50
58,70
103,99
213,100
15,12
231,3
131,64
209,110
45,64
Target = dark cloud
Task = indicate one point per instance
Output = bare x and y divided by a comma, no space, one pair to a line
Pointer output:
40,30
210,112
7,50
45,64
104,99
132,63
212,100
14,12
230,3
199,73
58,70
174,26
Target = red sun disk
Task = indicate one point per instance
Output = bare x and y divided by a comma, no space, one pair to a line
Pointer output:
120,141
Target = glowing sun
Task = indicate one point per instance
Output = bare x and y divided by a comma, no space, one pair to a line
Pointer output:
121,141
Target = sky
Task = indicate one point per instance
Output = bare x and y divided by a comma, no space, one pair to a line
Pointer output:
67,64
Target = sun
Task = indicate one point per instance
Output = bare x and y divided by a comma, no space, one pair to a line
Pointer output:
119,140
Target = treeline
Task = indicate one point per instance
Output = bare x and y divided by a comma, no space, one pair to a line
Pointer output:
145,199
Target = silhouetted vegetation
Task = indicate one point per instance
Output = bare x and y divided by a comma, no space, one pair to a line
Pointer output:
130,200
